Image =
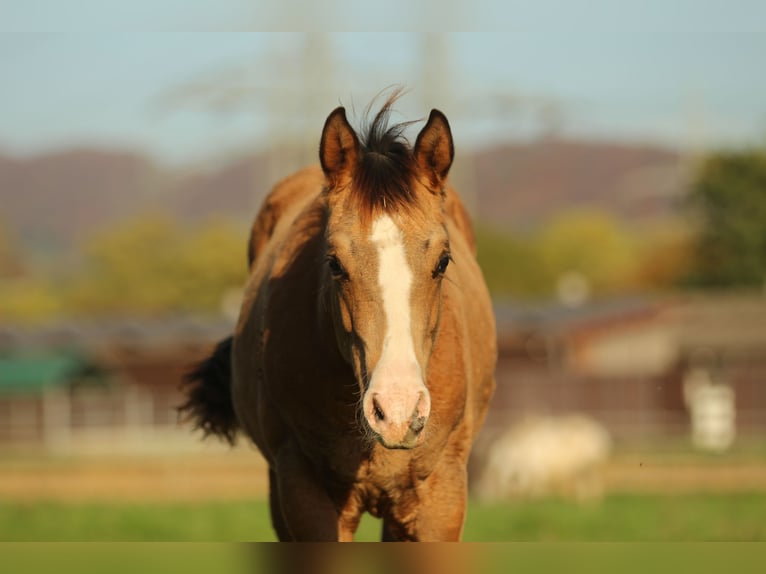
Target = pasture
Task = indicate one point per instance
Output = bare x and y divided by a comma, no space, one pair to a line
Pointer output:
618,518
220,496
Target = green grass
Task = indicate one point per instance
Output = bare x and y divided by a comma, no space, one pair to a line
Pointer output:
625,518
620,517
544,558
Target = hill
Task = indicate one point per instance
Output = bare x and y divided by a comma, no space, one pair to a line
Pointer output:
52,200
522,185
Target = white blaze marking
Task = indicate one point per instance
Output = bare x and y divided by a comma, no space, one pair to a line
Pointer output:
398,368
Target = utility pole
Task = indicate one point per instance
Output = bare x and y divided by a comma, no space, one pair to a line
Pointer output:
318,75
438,93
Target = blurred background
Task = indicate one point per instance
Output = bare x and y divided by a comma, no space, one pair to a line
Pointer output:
617,181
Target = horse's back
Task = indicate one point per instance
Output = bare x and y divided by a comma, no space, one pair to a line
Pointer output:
271,244
288,198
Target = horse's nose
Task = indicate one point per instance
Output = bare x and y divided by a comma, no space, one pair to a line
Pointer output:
417,421
398,422
417,424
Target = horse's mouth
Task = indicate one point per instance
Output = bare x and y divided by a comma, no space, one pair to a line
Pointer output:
410,441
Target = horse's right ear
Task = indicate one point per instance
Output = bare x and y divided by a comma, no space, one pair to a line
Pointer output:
339,148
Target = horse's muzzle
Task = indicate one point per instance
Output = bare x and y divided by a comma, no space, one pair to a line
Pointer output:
397,421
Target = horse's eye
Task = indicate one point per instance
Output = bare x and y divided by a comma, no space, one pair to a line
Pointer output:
336,268
441,267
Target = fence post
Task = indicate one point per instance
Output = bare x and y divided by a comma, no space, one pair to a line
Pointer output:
57,419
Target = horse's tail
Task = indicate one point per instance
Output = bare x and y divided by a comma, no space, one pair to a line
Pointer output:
208,390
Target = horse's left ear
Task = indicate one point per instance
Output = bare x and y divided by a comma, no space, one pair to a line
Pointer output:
434,149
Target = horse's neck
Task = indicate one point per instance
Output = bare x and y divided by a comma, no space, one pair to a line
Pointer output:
324,323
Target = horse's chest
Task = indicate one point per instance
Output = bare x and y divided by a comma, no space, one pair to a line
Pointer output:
347,465
377,489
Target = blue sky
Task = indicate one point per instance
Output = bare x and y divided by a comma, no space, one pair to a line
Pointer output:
690,74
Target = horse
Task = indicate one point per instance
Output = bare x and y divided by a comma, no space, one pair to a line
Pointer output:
362,363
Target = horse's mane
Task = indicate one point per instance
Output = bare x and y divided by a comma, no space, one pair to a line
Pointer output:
386,166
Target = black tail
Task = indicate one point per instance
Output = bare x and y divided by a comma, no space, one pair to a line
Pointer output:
208,388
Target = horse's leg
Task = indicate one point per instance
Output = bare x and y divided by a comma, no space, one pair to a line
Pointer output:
440,512
389,532
443,497
309,513
277,517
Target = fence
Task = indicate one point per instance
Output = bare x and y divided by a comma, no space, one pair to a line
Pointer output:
115,420
143,417
631,408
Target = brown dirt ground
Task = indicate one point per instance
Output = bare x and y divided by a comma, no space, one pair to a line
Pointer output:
238,475
673,477
189,478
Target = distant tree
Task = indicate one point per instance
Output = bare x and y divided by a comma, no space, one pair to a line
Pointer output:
29,300
728,198
151,265
26,296
593,245
130,268
11,264
664,252
212,261
511,264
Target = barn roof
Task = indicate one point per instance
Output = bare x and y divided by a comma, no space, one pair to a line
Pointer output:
33,374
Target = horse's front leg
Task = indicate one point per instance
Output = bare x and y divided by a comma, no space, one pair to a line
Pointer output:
442,513
308,512
440,508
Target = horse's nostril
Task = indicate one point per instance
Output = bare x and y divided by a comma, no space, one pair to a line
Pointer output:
417,424
377,410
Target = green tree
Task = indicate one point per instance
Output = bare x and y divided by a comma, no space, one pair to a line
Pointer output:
212,261
664,251
26,295
592,244
29,300
728,198
151,265
511,264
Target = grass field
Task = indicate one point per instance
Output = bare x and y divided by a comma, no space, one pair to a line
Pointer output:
619,517
653,495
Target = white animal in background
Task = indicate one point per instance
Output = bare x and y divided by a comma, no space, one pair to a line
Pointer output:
712,410
541,456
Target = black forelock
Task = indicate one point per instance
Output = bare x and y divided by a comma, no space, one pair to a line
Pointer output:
386,166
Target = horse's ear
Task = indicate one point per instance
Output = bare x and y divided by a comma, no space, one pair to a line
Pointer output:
339,148
434,149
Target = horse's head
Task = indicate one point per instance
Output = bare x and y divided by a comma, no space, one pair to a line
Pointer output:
386,255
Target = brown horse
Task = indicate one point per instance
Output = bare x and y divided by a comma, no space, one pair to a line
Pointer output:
363,360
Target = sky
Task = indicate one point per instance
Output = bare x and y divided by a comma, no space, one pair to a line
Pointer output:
681,74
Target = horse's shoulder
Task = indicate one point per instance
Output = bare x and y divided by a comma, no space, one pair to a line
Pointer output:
290,192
